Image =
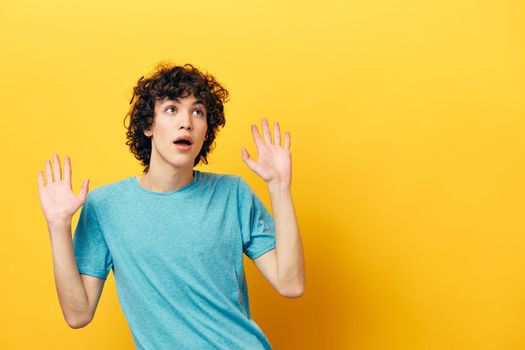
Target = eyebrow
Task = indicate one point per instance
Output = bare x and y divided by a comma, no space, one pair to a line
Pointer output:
176,99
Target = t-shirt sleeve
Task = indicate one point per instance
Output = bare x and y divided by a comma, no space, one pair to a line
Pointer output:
257,225
91,250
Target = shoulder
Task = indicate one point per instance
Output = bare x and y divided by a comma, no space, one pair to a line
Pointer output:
233,185
109,191
216,179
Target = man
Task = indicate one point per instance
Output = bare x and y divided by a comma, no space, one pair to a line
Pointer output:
175,236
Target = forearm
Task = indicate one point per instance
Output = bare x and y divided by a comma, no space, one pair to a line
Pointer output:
70,288
289,249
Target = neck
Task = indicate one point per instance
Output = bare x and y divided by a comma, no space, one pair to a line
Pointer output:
165,180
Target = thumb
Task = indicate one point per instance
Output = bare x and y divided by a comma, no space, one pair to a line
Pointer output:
247,159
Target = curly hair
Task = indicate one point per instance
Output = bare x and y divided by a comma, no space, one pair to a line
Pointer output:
171,81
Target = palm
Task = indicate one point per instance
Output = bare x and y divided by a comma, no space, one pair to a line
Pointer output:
56,198
274,162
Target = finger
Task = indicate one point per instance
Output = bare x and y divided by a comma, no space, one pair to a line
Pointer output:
57,171
67,169
277,133
256,137
247,159
49,174
266,132
287,140
40,180
84,190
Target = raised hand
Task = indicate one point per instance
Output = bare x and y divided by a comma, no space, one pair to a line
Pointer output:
274,163
56,198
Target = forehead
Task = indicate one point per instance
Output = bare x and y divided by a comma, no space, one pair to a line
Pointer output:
188,100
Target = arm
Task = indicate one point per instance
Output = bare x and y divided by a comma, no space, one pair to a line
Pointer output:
78,294
284,266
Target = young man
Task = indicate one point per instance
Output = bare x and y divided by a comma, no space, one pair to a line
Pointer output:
175,236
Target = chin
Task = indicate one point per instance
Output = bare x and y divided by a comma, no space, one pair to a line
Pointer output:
180,163
177,160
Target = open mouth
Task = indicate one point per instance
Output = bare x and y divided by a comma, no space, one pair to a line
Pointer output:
183,142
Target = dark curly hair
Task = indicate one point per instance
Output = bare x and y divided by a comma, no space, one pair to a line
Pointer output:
173,81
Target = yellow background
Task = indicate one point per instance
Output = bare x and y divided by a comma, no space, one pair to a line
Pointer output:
407,123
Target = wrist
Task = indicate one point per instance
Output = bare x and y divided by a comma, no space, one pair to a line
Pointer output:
59,224
279,187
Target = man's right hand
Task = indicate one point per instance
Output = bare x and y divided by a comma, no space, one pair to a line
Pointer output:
56,198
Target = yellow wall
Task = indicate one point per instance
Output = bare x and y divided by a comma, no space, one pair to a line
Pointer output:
407,123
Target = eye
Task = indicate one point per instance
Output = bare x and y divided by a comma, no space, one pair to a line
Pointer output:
170,109
200,112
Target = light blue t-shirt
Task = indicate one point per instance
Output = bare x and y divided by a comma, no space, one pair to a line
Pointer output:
177,259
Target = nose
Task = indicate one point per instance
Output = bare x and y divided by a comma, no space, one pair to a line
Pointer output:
185,121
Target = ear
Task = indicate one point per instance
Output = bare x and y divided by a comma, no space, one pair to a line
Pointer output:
147,132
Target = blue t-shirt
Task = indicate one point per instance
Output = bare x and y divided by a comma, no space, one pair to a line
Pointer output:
177,259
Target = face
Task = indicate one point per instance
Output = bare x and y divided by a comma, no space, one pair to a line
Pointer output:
184,117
